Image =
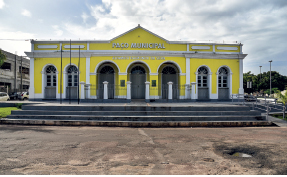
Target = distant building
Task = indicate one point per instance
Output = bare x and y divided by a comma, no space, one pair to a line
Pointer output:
10,73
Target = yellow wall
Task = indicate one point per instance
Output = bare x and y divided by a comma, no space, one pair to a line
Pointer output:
214,66
39,63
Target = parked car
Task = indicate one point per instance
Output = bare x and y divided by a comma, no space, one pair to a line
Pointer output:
24,96
14,95
4,96
249,98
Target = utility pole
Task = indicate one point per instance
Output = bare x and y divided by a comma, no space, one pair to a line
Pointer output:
15,73
21,74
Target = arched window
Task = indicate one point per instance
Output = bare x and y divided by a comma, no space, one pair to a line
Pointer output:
51,76
202,77
138,70
107,70
168,70
223,78
72,76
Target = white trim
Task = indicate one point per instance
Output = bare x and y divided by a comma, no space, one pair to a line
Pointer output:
31,88
88,46
47,46
93,73
200,47
169,61
88,70
187,47
182,74
153,74
44,79
241,89
74,46
187,70
227,48
213,48
209,80
138,61
65,78
123,74
103,62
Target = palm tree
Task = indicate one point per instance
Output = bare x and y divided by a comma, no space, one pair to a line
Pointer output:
282,98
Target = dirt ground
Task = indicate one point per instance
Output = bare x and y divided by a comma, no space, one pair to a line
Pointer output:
51,150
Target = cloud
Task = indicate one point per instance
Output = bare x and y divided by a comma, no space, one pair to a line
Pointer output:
26,13
2,4
57,31
84,17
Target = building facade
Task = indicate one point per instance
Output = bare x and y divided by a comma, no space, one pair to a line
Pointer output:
137,64
12,76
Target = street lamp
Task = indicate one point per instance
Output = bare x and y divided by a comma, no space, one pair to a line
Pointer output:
270,77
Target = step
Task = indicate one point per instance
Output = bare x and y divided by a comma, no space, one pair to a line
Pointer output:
138,118
137,108
134,113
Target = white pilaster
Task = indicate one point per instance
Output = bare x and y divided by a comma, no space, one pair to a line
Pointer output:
105,90
88,46
43,84
147,90
88,70
187,68
241,90
210,84
82,96
230,84
187,47
129,90
32,87
57,83
193,96
170,90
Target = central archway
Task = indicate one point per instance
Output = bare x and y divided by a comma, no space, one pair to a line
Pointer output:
138,79
106,73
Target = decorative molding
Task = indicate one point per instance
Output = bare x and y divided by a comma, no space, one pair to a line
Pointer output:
153,74
93,73
47,46
182,74
200,47
123,74
74,46
227,48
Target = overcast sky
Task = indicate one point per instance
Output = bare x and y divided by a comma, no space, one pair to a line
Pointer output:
261,25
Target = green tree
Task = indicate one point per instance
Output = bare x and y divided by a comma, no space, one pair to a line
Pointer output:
282,98
2,58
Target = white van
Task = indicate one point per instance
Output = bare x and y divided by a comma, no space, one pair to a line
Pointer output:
4,96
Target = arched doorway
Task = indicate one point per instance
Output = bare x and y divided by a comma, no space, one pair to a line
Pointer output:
169,74
51,82
138,79
223,84
106,73
202,83
72,82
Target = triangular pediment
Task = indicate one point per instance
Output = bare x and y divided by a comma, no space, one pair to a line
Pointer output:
139,34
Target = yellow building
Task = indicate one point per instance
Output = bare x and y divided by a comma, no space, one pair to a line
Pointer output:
137,64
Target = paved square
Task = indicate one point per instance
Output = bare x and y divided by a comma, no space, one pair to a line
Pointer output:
51,150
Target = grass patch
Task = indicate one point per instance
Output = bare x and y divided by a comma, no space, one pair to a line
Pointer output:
280,116
4,112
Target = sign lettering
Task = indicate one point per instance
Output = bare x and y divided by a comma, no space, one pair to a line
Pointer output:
139,45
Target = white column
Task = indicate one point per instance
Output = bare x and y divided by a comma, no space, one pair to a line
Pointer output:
147,90
230,84
241,90
105,90
57,84
88,70
187,68
129,90
170,90
82,94
210,84
43,84
193,90
88,91
32,88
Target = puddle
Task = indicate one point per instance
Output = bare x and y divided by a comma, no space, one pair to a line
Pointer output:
239,154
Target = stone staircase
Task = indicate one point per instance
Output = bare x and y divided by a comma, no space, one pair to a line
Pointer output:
138,115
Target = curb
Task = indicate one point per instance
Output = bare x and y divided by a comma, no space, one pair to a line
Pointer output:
135,124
